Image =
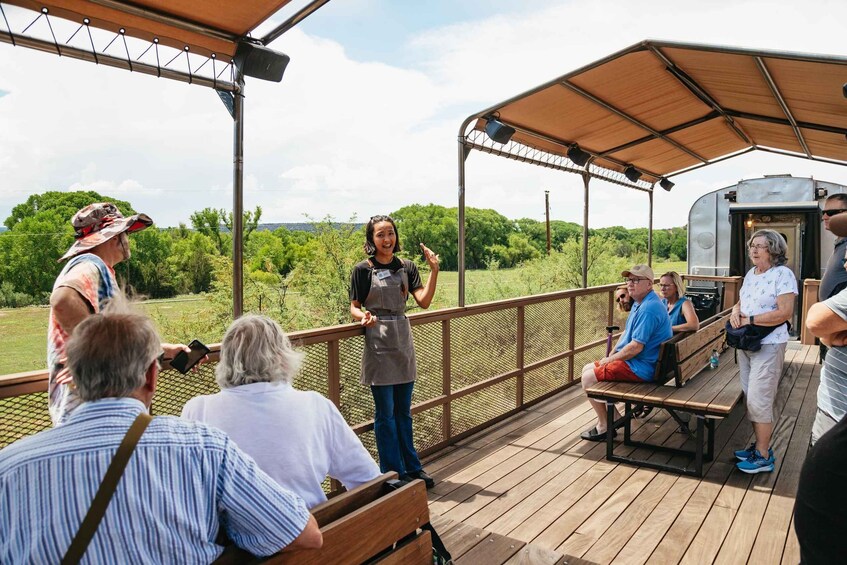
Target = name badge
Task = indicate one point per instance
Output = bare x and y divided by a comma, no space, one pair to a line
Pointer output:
383,274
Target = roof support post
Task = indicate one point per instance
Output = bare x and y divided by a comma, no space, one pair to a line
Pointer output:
586,178
238,198
463,154
650,232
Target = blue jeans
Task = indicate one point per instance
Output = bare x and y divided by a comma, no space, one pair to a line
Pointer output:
393,428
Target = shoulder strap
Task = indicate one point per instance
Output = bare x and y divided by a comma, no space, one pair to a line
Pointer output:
107,488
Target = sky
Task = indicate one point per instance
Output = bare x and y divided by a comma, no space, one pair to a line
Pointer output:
366,118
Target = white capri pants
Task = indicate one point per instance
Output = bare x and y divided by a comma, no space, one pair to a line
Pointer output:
760,371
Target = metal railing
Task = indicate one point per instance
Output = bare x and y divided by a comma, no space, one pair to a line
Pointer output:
476,365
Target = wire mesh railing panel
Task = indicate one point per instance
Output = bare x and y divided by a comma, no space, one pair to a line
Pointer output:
428,428
314,373
174,389
546,329
592,315
429,356
481,406
538,382
482,346
23,415
588,356
356,401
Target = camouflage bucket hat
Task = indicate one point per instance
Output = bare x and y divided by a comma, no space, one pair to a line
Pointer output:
98,223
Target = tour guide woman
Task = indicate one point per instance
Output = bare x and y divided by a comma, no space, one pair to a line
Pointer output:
767,299
379,289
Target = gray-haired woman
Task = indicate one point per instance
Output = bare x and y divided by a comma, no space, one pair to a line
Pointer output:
767,299
296,437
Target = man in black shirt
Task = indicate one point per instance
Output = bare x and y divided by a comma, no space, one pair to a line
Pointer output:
820,511
835,276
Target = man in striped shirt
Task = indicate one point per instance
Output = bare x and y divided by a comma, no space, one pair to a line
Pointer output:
828,321
184,484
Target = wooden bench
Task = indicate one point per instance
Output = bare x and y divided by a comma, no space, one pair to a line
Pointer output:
675,389
369,524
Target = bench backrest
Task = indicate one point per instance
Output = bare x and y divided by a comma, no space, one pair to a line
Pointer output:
366,523
687,353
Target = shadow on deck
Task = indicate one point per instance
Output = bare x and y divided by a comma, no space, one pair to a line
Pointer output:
529,490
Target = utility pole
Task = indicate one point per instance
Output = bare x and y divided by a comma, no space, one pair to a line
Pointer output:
547,212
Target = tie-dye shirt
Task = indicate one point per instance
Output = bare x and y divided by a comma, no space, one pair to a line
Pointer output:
95,282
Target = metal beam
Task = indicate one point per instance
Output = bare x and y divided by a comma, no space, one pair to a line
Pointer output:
167,19
699,92
566,144
238,201
620,113
782,104
116,62
786,122
301,15
463,153
703,119
585,180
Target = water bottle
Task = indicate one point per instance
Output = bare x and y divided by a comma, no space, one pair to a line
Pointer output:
714,359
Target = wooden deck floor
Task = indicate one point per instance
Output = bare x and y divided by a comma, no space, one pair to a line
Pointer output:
530,491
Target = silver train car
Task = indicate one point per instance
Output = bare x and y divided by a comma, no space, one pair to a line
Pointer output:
721,222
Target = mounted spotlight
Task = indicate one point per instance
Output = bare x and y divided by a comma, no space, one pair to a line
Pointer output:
577,155
498,131
666,184
258,61
632,173
844,90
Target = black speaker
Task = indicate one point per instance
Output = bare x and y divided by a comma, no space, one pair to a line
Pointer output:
498,131
258,61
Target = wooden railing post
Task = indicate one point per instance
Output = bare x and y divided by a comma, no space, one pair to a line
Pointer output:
520,341
446,378
334,372
810,296
731,289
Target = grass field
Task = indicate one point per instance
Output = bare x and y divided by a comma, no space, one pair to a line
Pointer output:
23,331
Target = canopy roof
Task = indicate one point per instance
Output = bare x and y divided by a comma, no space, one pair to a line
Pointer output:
666,108
205,26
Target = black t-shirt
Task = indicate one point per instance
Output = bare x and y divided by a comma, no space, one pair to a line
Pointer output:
360,280
820,511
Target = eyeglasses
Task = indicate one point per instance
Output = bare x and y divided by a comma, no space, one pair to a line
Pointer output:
620,297
759,246
833,212
666,286
634,280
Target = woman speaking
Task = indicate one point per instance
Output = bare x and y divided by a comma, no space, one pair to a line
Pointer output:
379,289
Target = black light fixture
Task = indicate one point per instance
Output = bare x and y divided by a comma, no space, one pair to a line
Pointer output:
577,155
666,184
498,131
632,173
260,62
844,90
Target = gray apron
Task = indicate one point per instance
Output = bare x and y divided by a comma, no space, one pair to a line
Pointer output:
389,357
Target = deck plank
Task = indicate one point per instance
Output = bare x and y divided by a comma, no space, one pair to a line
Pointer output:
535,482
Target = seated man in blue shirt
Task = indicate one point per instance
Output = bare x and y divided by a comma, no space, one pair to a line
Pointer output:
637,351
184,484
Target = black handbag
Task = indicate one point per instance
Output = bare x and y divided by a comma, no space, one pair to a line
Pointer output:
749,337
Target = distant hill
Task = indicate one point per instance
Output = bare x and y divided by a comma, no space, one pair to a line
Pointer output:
3,228
296,226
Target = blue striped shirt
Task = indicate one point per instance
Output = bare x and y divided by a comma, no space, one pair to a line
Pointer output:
832,391
184,482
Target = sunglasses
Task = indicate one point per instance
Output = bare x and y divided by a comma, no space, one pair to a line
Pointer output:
833,212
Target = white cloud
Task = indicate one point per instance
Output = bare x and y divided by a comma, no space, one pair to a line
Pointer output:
345,137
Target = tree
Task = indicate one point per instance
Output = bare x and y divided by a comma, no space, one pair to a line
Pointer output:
435,226
61,204
518,250
147,270
209,222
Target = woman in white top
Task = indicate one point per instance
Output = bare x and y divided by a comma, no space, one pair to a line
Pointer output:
296,437
767,299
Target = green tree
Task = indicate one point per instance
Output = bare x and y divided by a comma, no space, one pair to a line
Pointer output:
216,224
148,270
518,250
484,228
435,226
61,204
191,260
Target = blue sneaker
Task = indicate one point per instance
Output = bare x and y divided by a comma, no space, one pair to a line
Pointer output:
745,454
757,464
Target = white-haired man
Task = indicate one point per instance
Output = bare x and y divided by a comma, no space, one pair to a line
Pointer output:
183,485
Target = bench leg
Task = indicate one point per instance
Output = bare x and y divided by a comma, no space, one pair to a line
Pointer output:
698,454
610,429
710,433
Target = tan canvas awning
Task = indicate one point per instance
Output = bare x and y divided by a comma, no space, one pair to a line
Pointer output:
205,26
666,108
